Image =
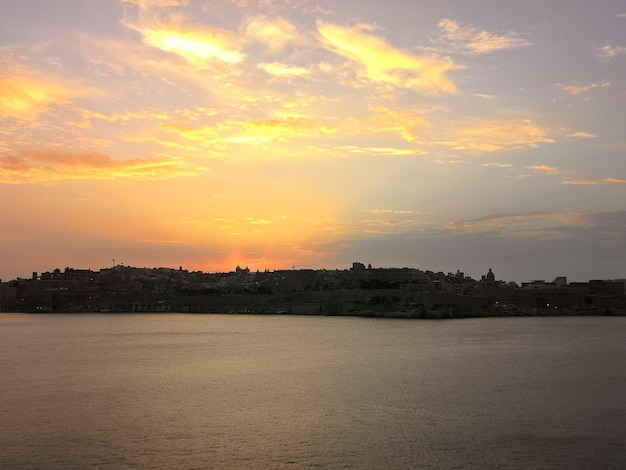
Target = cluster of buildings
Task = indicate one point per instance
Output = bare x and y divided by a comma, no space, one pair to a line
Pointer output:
129,289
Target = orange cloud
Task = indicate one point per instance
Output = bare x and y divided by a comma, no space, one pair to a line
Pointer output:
383,63
582,182
38,167
592,182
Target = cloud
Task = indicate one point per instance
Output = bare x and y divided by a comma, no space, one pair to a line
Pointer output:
277,129
390,211
146,4
582,182
400,121
577,90
128,115
41,167
197,44
382,151
469,40
383,63
247,132
26,97
26,93
497,165
483,96
609,52
516,222
593,182
274,34
275,5
283,70
493,135
583,135
550,170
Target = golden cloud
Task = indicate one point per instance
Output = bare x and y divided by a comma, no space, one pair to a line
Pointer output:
274,34
279,129
283,70
493,135
197,44
550,170
41,167
403,122
25,94
383,151
383,63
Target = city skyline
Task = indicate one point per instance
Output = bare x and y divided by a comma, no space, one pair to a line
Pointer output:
270,134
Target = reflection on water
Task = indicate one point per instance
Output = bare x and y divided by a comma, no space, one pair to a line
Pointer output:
228,391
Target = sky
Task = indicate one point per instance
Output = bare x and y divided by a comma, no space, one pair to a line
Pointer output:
310,134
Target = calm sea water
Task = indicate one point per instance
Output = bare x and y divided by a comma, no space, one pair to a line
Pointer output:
290,392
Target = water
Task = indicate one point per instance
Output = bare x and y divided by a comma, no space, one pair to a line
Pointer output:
290,392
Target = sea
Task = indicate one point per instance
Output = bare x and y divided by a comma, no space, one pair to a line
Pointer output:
219,391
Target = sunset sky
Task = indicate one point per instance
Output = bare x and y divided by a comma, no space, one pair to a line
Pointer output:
439,135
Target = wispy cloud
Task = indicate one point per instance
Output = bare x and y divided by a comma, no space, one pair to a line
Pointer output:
273,4
147,4
550,170
381,62
25,93
471,40
38,167
488,135
582,182
275,34
609,52
593,182
577,90
380,151
582,135
497,165
390,211
517,222
283,70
